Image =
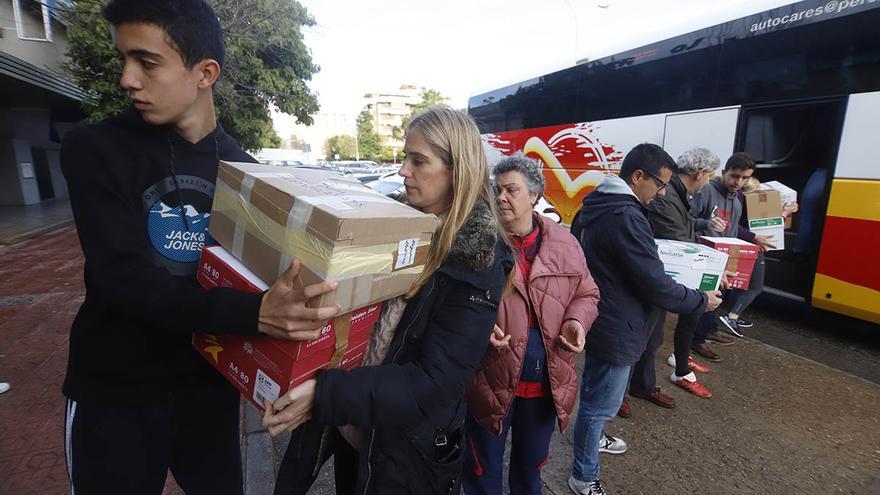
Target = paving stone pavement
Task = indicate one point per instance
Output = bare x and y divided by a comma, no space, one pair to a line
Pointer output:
778,423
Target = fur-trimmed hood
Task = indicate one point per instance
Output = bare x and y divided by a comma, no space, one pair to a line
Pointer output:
474,245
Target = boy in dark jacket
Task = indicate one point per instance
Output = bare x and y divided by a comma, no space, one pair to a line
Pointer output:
620,250
141,187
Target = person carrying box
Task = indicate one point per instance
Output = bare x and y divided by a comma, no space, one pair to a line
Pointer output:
141,185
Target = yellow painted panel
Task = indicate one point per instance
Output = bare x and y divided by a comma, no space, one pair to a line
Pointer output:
849,299
852,198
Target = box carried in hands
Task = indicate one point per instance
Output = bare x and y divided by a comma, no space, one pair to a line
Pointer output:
693,265
765,216
786,195
261,367
341,230
741,258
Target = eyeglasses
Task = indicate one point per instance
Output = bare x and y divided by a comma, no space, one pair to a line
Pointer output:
661,184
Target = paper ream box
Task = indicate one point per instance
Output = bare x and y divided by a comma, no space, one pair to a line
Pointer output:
786,195
695,266
773,228
341,230
263,367
741,258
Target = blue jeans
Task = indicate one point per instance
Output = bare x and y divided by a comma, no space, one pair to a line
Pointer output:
602,387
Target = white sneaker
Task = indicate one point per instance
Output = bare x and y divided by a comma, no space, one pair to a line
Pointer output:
611,445
595,487
4,387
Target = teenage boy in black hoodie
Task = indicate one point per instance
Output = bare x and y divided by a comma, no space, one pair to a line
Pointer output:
140,399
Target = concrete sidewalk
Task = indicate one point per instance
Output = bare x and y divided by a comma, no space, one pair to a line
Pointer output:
19,223
778,423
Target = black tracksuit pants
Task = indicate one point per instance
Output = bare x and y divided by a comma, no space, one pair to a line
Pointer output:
115,449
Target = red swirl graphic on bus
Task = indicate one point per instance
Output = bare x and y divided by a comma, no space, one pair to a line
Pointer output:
573,158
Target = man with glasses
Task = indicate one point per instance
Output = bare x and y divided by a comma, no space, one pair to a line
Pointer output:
617,240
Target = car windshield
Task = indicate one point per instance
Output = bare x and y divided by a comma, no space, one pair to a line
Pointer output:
384,186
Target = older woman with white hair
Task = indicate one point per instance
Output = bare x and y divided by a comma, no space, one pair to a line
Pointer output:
527,381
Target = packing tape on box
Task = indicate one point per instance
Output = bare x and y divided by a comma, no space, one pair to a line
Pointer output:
341,329
247,185
323,259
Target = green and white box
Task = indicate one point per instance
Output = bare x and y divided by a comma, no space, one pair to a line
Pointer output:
695,266
773,228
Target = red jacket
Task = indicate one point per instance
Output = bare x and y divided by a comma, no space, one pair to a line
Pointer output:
560,288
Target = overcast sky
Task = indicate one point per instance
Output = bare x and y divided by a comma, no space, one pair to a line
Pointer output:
462,48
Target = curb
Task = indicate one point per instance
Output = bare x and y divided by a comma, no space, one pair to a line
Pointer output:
30,234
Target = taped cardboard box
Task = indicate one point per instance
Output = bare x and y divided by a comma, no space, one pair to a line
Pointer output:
341,230
261,367
695,266
765,216
786,195
741,258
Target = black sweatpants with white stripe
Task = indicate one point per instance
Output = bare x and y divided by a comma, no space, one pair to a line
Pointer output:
116,449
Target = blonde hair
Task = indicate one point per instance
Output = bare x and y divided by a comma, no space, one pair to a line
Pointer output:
752,185
454,136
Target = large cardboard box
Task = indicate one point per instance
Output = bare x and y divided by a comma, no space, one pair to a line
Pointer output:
695,266
341,230
261,367
741,258
786,195
765,216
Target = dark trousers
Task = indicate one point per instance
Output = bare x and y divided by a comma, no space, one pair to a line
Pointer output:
708,323
741,299
684,337
301,464
117,449
643,377
532,422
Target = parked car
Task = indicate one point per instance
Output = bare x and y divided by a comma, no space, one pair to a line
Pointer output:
387,184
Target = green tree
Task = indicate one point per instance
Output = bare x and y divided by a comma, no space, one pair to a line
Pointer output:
267,63
368,138
342,145
430,98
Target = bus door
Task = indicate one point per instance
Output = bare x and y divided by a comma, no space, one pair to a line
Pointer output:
795,143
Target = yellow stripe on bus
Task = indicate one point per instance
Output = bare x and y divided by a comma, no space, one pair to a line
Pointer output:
849,299
851,198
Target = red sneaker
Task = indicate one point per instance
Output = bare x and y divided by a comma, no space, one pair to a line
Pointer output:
692,364
693,387
697,366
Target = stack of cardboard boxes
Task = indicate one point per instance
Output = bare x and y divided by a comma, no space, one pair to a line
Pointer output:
265,217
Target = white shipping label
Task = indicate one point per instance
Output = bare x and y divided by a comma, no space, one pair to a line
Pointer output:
265,388
406,253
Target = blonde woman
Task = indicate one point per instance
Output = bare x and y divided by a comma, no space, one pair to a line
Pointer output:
395,425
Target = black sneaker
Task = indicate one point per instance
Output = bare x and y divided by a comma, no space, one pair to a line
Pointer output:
731,325
744,323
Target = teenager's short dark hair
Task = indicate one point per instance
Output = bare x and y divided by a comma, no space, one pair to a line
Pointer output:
646,156
191,25
740,160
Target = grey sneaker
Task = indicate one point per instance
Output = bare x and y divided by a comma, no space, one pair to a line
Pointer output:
595,487
4,387
731,326
611,445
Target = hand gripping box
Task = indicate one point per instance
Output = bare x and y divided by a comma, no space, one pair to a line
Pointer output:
765,216
741,258
261,367
341,230
693,265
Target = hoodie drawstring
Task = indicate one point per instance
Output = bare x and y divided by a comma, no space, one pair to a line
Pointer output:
177,184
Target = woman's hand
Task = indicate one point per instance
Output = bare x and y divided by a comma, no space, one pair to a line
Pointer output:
497,338
573,336
291,409
789,208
